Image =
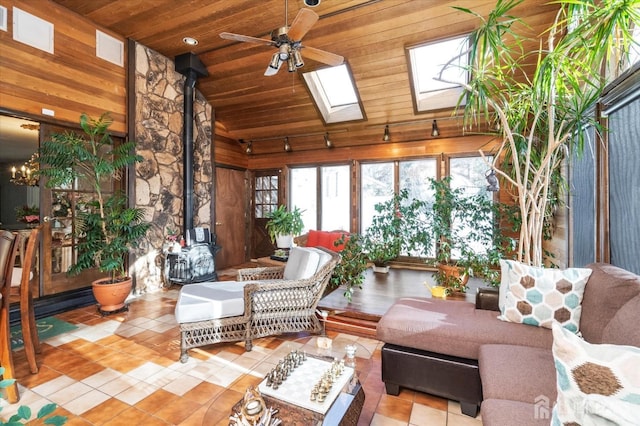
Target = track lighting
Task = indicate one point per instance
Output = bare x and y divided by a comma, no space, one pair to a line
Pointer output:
327,141
387,136
492,180
434,129
275,61
287,145
249,148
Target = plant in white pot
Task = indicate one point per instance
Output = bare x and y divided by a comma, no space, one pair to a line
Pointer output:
283,225
107,229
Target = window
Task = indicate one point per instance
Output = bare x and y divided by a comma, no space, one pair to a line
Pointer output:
427,61
266,195
324,193
334,94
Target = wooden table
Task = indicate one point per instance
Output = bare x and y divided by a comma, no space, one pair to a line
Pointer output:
268,261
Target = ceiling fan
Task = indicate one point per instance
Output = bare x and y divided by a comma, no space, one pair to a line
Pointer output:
288,40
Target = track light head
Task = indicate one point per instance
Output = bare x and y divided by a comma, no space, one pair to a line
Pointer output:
434,129
249,149
327,141
287,145
387,136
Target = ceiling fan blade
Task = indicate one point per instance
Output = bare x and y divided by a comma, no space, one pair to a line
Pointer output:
302,23
322,56
272,71
248,39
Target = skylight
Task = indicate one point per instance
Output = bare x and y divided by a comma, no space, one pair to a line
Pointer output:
334,94
427,61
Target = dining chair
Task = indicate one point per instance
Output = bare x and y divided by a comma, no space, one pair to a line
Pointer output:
8,252
21,288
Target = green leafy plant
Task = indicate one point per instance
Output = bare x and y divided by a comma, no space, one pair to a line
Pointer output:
24,412
106,228
540,113
284,222
397,227
29,214
349,272
467,234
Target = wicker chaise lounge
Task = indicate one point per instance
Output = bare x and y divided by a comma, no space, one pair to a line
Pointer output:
262,302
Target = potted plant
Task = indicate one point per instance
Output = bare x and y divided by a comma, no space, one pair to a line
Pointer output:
541,117
468,240
396,228
283,225
29,215
349,272
107,229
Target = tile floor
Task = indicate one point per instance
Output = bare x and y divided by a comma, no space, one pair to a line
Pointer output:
123,369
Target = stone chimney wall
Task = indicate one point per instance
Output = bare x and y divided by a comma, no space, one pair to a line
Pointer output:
158,133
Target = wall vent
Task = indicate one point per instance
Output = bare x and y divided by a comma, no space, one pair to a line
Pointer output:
109,48
3,18
33,31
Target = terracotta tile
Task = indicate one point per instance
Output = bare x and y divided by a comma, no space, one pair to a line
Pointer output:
204,392
72,421
105,411
156,401
134,416
84,370
197,418
122,362
177,411
244,382
431,401
44,375
394,407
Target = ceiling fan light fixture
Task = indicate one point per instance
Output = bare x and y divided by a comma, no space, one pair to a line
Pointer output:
387,136
297,58
291,64
283,51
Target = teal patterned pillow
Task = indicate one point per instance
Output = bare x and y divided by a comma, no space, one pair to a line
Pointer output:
541,296
597,384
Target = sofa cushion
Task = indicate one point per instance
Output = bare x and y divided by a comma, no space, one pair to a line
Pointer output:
608,288
500,412
452,328
519,373
584,369
326,239
302,263
540,296
210,300
323,257
619,331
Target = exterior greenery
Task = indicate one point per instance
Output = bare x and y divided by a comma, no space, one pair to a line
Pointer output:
106,228
349,272
469,228
540,117
284,222
396,228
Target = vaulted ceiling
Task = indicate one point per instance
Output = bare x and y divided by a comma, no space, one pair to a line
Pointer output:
372,35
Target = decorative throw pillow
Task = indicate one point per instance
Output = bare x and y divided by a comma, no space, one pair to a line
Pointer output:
597,384
540,296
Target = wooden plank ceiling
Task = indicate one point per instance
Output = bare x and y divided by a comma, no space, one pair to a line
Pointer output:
372,35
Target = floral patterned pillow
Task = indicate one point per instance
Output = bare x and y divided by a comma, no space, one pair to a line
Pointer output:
540,296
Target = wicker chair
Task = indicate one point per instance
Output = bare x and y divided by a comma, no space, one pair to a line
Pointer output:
272,305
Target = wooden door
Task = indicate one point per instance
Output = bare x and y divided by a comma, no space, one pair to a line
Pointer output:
231,226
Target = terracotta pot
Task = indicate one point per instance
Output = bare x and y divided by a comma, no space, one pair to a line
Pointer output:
454,271
111,296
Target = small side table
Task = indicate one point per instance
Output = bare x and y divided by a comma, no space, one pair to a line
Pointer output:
268,261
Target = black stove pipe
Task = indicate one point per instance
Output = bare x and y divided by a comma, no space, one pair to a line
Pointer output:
189,65
187,161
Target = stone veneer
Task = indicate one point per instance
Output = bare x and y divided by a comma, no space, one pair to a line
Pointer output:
159,181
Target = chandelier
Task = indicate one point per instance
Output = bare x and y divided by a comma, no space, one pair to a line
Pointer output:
27,174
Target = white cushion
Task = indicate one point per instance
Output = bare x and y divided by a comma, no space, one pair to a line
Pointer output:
210,300
324,257
302,263
16,278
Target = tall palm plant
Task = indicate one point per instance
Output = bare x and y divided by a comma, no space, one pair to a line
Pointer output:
540,114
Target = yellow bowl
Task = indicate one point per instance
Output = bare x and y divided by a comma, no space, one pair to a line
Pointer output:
438,291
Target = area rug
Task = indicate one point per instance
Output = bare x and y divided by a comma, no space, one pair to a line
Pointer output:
47,327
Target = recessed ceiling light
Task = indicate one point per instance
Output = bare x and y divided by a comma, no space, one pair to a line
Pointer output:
190,41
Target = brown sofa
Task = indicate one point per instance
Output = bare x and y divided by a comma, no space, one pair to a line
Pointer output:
462,352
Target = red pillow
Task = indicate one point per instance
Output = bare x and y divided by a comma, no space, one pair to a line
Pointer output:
325,240
313,238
